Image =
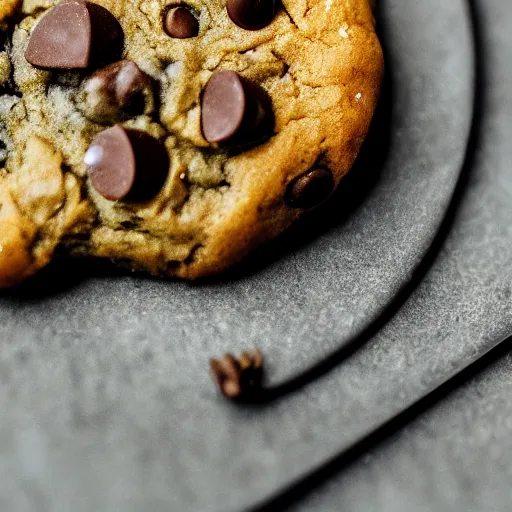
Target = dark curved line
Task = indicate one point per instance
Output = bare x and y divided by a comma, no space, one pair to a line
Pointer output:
300,489
303,486
318,370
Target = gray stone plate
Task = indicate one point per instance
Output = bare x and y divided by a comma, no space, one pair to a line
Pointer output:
106,400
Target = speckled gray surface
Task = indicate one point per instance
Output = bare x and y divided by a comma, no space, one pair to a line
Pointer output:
455,457
105,398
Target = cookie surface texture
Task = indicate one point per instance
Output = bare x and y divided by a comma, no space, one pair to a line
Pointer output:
175,137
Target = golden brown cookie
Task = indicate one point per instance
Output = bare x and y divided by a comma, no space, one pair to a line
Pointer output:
175,137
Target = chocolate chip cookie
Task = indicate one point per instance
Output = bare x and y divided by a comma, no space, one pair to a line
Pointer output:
174,136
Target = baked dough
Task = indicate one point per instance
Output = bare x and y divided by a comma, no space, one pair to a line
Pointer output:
318,62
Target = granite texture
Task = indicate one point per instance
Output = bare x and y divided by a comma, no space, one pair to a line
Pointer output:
106,400
457,456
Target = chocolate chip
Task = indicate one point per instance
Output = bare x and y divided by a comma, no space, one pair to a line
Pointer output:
62,39
234,109
251,14
310,189
73,35
127,164
118,91
181,23
239,378
223,106
107,36
132,87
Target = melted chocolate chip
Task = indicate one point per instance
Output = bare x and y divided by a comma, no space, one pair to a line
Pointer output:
181,23
234,109
251,14
118,91
131,87
127,164
73,35
310,189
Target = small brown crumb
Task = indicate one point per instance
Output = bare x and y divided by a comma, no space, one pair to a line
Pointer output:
238,379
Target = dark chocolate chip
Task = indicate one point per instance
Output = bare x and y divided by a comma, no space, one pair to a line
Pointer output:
223,106
310,189
132,88
239,378
107,36
251,14
73,35
234,109
259,116
181,23
127,164
152,162
62,39
118,91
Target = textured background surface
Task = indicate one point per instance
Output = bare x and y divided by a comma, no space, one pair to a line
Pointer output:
105,398
455,457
